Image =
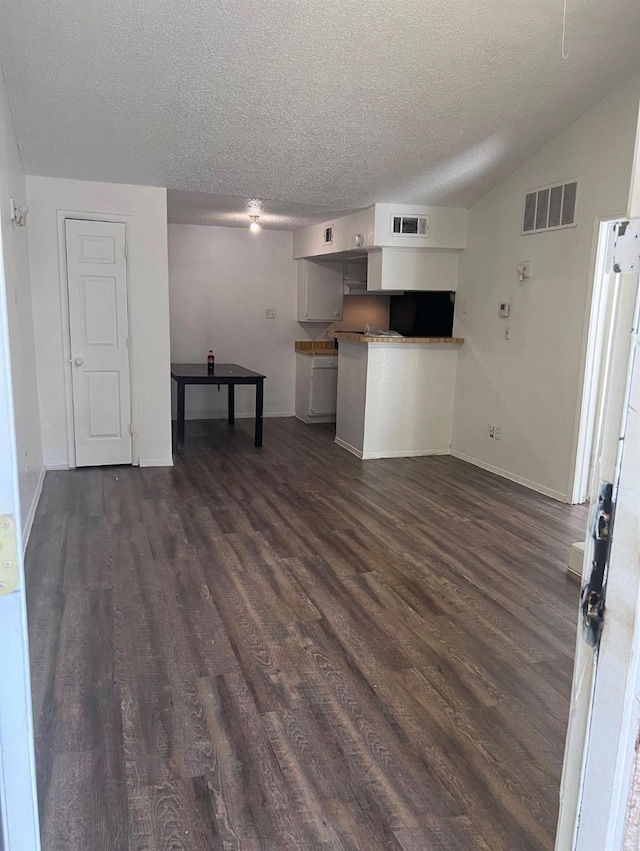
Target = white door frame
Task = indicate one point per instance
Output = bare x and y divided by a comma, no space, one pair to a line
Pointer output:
590,362
18,794
63,215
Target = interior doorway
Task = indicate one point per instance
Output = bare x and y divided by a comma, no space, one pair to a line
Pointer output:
99,342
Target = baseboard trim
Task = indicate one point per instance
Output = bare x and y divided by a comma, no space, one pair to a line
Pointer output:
57,467
505,474
404,453
28,523
312,420
344,445
156,462
222,415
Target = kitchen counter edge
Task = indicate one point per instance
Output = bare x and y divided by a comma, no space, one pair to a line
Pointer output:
364,338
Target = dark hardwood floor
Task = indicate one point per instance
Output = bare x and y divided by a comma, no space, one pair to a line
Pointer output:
287,648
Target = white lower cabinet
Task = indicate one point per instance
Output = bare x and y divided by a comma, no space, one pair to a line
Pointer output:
320,291
316,388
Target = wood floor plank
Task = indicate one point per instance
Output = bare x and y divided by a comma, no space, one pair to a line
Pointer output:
288,649
452,834
84,807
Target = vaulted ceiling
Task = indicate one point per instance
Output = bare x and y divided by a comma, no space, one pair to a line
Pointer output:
304,105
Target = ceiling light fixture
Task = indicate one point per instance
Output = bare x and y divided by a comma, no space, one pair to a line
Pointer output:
254,227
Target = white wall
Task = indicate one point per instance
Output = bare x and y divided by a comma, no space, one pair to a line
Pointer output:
530,385
144,209
23,363
221,281
395,399
353,362
409,409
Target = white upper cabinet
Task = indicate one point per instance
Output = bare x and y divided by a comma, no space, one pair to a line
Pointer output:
412,269
320,291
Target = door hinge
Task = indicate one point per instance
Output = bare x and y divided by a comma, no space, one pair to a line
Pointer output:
8,555
593,592
130,428
125,250
626,248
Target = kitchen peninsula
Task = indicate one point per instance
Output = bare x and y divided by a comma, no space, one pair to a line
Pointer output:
395,394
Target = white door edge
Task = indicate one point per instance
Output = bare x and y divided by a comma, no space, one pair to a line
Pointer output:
18,794
576,487
593,783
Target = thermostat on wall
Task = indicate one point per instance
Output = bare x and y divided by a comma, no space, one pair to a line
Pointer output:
505,308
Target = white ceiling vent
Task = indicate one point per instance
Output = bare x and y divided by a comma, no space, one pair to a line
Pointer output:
327,236
410,226
551,207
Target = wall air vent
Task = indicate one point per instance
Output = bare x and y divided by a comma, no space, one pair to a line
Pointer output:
551,207
410,226
327,236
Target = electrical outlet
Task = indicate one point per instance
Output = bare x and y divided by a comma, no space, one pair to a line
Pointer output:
270,313
507,332
498,432
491,431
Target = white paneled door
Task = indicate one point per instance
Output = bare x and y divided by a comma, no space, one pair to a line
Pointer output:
99,336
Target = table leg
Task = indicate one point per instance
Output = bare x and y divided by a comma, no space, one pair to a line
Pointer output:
232,404
180,440
259,406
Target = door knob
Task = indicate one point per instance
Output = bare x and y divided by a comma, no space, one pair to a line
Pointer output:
79,361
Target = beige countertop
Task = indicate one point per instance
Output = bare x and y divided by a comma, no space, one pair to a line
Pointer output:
363,338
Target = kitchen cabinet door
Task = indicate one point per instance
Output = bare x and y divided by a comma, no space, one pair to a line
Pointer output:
320,291
409,269
324,391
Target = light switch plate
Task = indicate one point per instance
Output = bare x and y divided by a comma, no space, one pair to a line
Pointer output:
504,308
270,313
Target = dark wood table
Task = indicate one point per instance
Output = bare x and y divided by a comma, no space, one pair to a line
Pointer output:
224,373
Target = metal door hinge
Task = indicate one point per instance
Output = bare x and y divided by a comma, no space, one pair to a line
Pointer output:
125,250
8,555
130,428
626,248
593,592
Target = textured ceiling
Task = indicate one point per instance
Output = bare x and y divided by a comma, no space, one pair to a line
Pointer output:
329,105
202,208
